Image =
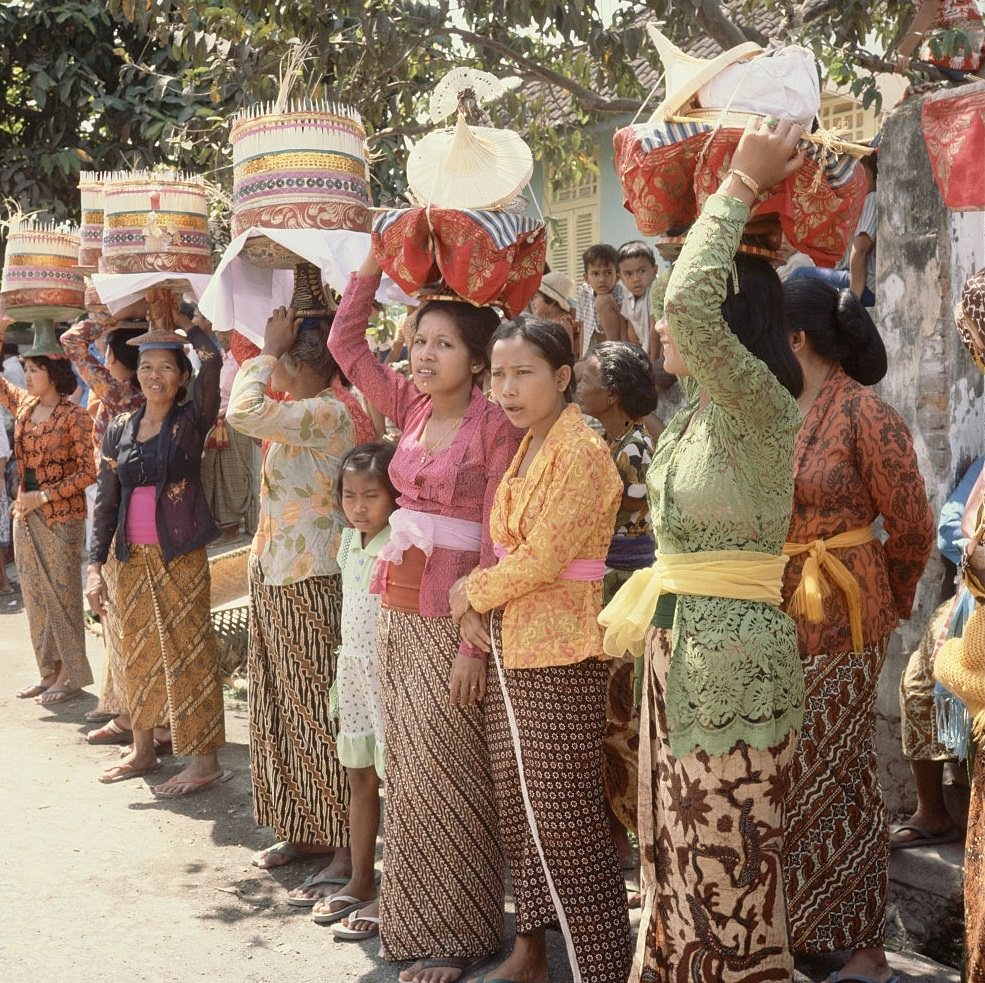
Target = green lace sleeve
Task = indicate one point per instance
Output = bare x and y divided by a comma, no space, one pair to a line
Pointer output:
739,383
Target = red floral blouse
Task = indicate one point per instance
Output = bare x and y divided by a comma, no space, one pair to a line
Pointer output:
59,450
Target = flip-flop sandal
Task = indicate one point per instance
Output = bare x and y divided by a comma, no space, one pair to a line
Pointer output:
329,917
99,716
923,838
313,881
111,733
126,772
345,934
30,692
53,696
197,785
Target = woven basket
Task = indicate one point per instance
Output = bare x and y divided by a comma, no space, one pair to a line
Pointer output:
232,629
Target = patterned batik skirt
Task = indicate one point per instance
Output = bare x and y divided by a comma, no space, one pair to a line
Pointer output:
442,892
622,726
299,787
112,696
560,718
836,854
974,877
49,561
169,657
711,833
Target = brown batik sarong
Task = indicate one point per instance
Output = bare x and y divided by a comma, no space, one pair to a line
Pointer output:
299,787
622,726
836,855
49,561
442,892
170,659
974,877
711,832
560,716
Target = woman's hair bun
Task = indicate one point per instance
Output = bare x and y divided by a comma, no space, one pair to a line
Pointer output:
865,360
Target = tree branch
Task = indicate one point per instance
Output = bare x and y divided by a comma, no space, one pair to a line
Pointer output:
717,24
530,69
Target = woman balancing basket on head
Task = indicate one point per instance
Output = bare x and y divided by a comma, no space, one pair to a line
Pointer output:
723,684
53,447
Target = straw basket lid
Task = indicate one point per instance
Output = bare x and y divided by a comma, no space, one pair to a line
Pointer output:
469,167
684,74
472,165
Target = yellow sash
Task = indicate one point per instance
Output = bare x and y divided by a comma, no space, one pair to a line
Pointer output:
808,598
740,574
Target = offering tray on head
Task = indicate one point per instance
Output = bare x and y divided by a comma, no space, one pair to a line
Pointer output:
40,278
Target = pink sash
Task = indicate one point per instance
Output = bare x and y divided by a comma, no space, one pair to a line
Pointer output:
579,569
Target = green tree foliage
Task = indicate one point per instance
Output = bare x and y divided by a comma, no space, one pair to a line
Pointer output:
83,88
141,81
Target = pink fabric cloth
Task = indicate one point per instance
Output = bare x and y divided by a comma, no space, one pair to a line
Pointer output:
229,369
459,481
142,517
580,569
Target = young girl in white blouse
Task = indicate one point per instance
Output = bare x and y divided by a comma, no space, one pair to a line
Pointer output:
367,498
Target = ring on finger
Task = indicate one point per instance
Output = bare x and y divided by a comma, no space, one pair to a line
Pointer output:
771,122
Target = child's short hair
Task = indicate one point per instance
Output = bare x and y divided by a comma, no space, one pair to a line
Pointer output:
372,458
601,254
637,249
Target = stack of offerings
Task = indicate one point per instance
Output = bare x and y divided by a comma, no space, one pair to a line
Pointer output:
301,168
41,282
466,235
155,245
670,164
91,231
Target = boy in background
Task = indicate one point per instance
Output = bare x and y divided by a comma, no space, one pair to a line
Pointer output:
637,268
600,298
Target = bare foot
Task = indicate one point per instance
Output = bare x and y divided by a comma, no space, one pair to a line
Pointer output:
448,972
287,851
867,962
132,766
200,773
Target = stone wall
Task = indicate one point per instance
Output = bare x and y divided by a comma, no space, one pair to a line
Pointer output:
925,254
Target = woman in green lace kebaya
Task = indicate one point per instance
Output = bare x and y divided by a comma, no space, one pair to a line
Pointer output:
723,688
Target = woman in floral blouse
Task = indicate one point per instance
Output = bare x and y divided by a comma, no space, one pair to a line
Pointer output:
723,687
53,448
299,787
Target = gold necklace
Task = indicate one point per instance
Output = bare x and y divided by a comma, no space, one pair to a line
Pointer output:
429,451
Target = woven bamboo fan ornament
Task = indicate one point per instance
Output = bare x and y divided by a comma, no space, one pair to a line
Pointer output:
472,165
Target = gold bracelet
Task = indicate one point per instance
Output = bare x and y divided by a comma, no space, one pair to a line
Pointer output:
751,184
44,496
